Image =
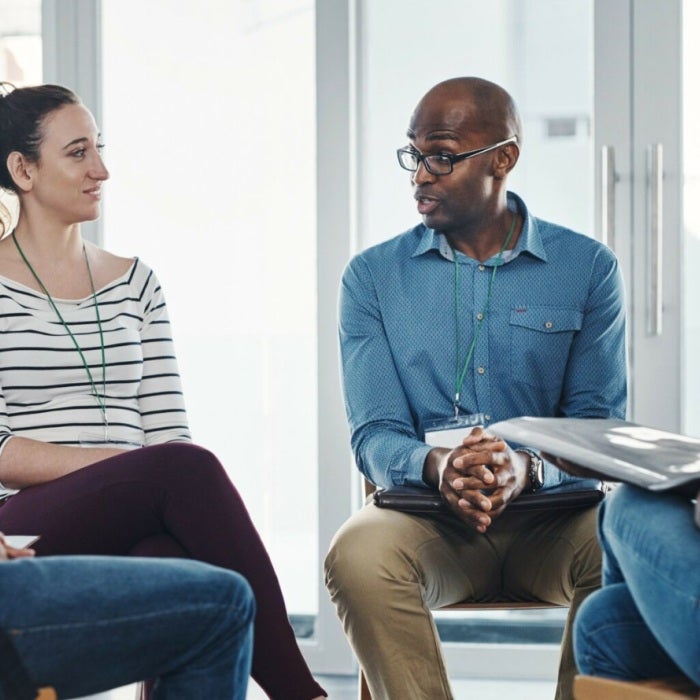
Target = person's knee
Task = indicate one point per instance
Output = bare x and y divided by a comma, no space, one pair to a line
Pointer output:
231,592
361,562
600,629
188,460
344,564
241,598
182,453
586,633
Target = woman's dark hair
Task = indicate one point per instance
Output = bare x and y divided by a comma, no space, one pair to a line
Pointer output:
22,112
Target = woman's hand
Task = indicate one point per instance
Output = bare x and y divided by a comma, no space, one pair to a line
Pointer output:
9,552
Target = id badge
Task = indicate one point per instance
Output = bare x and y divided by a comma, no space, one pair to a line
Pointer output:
449,432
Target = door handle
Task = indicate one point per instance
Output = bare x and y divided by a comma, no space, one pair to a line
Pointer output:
608,178
655,174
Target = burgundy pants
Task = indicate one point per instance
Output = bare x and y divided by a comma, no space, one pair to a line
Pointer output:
168,500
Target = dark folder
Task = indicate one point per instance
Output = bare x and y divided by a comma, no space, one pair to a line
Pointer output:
414,499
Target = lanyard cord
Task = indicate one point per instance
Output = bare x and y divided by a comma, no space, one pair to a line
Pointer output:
460,375
101,401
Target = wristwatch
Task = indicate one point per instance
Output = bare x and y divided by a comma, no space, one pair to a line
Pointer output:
535,469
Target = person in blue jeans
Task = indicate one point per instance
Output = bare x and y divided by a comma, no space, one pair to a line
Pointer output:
645,621
85,624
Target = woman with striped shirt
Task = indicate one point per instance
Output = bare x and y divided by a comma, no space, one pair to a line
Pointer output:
95,449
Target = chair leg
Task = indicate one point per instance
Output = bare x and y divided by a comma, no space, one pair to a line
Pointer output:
363,687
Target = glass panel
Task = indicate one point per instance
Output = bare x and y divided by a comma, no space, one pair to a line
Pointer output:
511,42
20,41
20,61
691,217
210,133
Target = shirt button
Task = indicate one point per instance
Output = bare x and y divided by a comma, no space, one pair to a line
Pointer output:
480,317
482,268
548,325
481,370
487,417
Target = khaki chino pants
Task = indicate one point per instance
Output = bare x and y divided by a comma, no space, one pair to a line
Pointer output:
386,570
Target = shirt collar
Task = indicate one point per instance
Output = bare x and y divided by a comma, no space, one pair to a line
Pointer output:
530,240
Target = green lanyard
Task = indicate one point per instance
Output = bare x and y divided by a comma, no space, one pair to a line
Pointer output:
459,375
101,401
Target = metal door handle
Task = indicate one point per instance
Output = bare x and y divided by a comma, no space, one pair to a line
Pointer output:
608,179
655,174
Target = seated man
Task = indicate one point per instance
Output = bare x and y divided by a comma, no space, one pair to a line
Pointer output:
645,621
481,313
88,624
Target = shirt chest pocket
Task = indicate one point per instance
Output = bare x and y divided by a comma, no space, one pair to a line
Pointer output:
540,341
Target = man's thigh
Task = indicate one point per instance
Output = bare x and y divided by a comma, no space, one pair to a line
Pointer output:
550,553
449,560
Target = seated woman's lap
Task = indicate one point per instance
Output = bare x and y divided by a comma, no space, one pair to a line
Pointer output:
121,505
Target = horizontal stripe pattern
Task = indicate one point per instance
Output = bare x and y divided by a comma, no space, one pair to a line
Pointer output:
45,392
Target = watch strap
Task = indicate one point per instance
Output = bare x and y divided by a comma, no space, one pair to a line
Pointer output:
535,468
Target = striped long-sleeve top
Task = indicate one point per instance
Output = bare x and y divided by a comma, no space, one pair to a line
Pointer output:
45,391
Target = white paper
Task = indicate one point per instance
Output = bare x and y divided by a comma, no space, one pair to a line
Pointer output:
20,541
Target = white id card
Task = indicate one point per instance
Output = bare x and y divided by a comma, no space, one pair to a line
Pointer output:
449,432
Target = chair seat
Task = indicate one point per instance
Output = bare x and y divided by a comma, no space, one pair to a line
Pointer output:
501,605
594,688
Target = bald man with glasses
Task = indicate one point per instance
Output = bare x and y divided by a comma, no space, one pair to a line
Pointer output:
480,313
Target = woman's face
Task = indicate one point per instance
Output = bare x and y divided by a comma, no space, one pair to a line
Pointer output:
67,179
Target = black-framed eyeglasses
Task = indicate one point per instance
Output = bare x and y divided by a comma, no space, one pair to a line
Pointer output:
442,163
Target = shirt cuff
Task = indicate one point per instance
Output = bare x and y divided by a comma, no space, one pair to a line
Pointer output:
413,474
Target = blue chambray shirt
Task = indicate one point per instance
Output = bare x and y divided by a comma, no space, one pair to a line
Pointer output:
551,344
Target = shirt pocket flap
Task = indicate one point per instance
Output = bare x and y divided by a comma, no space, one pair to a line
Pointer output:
547,319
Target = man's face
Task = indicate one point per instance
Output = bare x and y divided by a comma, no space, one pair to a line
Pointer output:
454,203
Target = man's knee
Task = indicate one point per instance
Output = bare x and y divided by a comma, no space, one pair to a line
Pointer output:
351,559
365,558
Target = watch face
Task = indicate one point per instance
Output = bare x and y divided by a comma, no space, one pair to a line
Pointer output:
536,471
539,470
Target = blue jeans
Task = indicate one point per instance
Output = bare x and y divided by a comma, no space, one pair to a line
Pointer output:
645,621
87,624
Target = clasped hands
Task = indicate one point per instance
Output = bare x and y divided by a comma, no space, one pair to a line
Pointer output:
480,477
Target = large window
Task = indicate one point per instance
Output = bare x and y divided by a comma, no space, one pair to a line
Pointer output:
20,41
510,42
691,219
210,139
20,55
